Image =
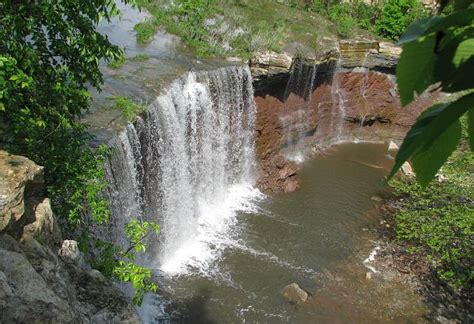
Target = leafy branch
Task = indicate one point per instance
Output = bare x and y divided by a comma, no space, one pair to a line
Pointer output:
437,51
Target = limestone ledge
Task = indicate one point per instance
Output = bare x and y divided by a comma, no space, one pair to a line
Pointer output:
353,53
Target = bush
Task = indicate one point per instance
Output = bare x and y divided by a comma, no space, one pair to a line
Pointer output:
396,16
438,221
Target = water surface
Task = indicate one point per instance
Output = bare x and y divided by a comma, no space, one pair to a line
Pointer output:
317,237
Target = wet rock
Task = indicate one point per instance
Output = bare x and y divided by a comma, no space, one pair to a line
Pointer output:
287,171
291,185
376,198
294,294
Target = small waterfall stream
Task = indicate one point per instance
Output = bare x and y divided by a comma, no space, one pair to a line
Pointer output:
295,121
187,164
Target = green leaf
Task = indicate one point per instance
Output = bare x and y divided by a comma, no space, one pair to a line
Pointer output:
418,29
455,63
415,69
427,162
470,127
429,126
462,4
435,24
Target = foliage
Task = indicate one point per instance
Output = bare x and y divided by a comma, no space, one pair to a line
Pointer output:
437,50
388,20
118,61
118,262
141,57
237,27
49,56
438,220
396,16
128,107
145,31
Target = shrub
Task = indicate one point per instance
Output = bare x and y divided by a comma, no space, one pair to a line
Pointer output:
438,220
396,16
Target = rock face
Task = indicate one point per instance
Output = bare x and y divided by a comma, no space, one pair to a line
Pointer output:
346,101
37,284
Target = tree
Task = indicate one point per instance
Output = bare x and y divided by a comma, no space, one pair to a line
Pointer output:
49,55
439,52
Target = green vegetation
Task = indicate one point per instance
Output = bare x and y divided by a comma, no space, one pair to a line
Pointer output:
49,56
388,20
118,61
243,27
437,218
128,107
237,27
145,31
438,221
437,50
118,262
141,57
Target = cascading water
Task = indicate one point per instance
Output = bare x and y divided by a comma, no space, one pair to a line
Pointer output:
188,164
295,120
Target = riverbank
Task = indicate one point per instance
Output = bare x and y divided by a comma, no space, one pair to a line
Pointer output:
427,235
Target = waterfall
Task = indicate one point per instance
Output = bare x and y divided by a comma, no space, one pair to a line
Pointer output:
188,164
295,120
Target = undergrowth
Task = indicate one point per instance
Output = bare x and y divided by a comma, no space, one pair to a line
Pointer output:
438,221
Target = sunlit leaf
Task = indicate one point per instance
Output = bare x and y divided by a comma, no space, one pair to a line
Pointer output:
415,69
428,161
429,127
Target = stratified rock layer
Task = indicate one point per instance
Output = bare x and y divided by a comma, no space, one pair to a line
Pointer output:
342,105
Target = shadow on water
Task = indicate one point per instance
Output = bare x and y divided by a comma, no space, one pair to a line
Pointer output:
191,310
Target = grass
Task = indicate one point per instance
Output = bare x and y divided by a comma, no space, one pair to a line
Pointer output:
128,108
145,31
141,57
237,27
437,222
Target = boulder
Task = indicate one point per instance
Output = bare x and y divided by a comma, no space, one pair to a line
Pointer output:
294,294
272,59
407,170
19,182
37,285
290,185
287,171
389,49
392,148
70,253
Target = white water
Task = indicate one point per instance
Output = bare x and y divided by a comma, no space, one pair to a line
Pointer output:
188,165
295,120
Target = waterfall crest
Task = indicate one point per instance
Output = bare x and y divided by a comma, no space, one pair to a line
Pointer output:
187,164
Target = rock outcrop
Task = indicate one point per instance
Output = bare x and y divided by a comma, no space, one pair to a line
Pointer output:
38,284
354,98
